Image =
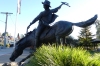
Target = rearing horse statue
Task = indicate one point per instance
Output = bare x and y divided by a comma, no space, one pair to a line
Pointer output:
58,30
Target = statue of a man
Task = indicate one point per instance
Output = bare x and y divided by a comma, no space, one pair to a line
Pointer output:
45,18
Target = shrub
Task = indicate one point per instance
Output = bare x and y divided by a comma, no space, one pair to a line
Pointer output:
1,44
62,56
8,45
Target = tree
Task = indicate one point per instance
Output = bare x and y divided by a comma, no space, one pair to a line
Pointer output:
18,37
97,23
0,35
85,37
21,36
7,34
3,34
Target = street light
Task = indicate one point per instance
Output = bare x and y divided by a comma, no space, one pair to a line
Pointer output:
5,26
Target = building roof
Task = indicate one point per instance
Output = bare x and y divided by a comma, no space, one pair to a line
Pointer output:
96,41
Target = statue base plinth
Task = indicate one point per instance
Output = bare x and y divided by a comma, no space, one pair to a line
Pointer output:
13,64
10,64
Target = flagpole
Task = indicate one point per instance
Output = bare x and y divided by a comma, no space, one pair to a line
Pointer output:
15,30
18,12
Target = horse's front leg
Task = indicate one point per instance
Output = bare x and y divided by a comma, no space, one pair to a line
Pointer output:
25,59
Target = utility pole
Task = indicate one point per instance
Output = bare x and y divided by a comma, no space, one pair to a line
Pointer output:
5,26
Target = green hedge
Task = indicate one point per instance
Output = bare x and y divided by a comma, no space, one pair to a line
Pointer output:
63,56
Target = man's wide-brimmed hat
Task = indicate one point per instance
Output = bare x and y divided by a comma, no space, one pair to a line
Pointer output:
46,2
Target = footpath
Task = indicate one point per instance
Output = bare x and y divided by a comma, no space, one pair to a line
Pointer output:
5,53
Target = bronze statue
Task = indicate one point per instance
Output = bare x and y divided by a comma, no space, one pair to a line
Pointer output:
45,18
58,30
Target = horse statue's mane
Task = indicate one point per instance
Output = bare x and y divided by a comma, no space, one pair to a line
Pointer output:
27,34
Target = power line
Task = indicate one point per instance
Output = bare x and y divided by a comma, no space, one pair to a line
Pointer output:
6,13
12,19
2,21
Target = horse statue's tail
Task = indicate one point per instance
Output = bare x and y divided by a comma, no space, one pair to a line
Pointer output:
86,23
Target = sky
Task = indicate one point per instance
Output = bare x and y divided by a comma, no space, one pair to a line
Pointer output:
80,10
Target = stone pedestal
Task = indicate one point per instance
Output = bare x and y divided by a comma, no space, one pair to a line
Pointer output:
13,64
10,64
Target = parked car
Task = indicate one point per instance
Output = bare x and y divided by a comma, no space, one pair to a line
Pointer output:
11,44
